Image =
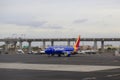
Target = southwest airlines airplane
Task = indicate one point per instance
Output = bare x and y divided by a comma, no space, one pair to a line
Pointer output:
63,50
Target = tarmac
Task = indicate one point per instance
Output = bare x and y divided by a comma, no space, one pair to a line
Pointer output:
76,67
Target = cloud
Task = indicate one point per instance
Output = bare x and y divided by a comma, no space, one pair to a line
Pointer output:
80,21
28,21
54,27
21,20
30,16
48,26
31,23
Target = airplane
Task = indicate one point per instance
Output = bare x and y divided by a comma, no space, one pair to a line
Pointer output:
63,50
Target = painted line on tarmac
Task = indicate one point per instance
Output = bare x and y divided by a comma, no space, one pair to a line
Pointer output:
56,67
113,75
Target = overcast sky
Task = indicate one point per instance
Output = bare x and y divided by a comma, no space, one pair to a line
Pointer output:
60,18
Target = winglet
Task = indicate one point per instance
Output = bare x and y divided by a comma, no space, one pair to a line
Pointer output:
77,43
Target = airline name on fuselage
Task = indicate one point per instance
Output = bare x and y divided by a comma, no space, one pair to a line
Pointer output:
56,49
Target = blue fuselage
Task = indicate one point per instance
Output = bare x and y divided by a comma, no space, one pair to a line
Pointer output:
59,50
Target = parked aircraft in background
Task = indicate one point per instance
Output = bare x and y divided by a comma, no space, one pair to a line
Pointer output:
63,50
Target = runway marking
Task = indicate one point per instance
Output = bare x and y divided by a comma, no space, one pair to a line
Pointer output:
56,67
113,75
89,78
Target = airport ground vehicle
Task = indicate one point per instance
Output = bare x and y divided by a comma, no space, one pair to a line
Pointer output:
20,51
36,52
1,50
87,51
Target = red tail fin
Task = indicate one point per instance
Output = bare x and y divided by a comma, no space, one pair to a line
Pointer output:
77,43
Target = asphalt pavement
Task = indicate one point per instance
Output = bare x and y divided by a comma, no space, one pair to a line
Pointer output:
42,67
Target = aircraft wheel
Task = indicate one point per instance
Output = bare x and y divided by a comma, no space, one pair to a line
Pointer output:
59,55
52,54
